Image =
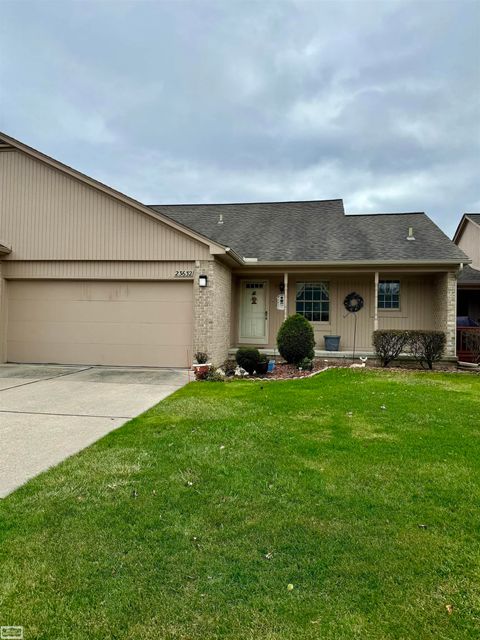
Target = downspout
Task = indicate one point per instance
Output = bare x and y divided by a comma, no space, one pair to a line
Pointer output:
375,313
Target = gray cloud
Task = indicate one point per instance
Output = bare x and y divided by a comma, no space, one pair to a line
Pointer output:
198,101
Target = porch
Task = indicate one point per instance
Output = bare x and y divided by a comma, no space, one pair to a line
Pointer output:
407,299
468,315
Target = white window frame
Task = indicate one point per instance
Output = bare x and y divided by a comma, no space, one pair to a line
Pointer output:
383,280
324,283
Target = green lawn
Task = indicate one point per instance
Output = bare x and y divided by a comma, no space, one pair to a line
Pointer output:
361,487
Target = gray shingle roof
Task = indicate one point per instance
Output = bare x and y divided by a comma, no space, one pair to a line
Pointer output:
316,231
474,216
469,275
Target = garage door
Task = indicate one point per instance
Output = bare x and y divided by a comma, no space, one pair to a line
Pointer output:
93,322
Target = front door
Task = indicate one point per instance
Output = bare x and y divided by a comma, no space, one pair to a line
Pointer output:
253,312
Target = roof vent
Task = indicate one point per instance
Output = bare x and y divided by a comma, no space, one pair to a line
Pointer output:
220,219
410,234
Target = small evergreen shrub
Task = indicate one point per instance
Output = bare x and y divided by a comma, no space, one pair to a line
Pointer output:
248,358
213,375
427,346
389,344
229,367
295,339
306,364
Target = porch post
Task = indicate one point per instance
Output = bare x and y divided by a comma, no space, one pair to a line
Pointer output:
375,313
285,282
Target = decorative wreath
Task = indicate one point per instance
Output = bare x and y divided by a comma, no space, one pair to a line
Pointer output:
353,302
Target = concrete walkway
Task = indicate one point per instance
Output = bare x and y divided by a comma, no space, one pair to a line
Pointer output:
49,412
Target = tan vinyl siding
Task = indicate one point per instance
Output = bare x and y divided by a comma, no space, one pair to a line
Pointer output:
416,306
470,243
47,215
100,322
96,269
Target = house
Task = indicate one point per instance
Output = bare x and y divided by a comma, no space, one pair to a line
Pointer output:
467,237
89,275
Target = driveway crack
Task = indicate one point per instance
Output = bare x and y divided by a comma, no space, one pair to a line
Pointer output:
60,375
66,415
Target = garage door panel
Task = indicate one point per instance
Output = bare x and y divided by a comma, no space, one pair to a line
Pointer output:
100,290
139,323
100,333
127,355
103,311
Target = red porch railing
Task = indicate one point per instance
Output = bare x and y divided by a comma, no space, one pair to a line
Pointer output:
468,341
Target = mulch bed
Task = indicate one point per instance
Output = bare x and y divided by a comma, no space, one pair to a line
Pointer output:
285,371
289,371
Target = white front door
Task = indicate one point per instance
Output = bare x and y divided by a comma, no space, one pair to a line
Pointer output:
253,312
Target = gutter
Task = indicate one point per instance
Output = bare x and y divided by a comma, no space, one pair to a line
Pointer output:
349,263
233,254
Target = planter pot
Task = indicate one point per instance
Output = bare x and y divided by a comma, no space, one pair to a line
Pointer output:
332,343
262,368
201,370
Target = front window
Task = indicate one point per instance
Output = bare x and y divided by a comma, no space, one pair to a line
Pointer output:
389,294
313,301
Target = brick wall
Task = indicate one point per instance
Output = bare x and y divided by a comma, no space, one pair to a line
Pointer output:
212,310
445,309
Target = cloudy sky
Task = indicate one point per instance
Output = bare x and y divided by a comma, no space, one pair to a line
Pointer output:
200,101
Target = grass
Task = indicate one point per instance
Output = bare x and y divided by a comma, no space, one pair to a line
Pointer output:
360,488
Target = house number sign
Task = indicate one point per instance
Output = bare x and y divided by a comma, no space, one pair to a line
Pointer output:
183,274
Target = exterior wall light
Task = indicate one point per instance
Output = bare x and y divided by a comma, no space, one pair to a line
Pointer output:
202,281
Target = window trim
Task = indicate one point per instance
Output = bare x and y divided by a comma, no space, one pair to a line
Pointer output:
326,283
389,309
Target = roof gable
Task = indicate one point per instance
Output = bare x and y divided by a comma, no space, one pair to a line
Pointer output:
8,143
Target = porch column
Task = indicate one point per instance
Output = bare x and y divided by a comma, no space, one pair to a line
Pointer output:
285,282
375,298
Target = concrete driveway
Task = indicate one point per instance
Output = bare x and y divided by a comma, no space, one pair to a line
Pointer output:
49,412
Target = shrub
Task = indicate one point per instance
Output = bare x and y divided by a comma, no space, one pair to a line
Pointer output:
427,346
306,364
201,357
389,344
229,367
295,339
213,375
248,358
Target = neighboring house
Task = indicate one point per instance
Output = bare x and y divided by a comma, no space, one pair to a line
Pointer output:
467,237
91,276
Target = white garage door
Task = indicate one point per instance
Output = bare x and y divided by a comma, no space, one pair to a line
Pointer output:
99,322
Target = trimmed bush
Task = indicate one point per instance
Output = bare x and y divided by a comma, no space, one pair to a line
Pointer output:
295,339
427,346
248,358
389,344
